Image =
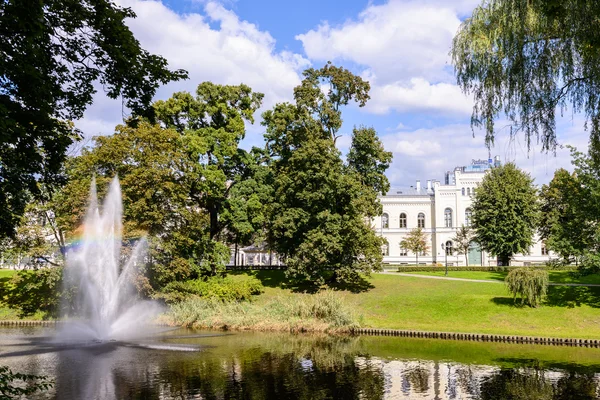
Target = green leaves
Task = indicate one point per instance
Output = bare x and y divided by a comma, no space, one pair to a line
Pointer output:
529,59
416,242
51,54
505,212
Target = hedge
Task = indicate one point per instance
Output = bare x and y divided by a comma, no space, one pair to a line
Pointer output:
432,268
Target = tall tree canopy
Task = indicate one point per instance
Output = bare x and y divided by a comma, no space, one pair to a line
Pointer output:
321,205
505,212
528,59
51,54
211,125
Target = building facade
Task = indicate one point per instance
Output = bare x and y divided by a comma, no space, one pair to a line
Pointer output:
440,209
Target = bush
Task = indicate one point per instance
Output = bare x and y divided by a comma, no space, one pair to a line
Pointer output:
30,291
590,264
15,385
431,268
224,289
530,284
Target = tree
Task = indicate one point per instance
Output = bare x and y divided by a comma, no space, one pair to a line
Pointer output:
505,212
211,126
51,54
462,241
528,59
416,242
321,206
563,222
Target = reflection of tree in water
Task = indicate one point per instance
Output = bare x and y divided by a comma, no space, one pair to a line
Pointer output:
532,384
576,386
467,380
419,379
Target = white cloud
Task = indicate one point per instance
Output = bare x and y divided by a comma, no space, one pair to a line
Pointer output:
427,153
419,95
403,48
235,52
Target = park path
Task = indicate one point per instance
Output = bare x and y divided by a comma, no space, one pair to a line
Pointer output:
449,278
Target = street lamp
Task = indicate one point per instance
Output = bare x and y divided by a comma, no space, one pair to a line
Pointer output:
446,250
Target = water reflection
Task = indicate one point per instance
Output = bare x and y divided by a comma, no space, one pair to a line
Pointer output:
253,366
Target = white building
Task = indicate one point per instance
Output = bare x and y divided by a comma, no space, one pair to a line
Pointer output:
440,209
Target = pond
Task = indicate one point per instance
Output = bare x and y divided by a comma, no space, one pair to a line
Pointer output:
186,364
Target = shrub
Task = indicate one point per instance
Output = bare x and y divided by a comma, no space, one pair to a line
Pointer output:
15,385
590,264
530,284
224,289
30,291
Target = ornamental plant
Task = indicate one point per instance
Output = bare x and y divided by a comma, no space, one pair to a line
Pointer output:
530,284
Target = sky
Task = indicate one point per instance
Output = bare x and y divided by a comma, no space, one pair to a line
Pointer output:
400,46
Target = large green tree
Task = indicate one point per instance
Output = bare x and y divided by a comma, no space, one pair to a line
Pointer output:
505,212
321,205
531,59
51,54
211,125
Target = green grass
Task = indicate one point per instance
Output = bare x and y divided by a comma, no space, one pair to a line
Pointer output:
555,276
398,302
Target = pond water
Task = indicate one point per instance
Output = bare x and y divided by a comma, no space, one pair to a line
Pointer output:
185,364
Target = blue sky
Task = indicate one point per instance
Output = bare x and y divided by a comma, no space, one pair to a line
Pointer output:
400,46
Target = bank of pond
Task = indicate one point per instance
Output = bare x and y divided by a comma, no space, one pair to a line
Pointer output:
184,363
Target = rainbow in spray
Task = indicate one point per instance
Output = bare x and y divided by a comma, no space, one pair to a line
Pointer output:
105,304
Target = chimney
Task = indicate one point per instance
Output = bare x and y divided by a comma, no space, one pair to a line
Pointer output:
418,186
428,185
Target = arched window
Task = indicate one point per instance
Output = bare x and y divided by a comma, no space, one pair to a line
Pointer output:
448,218
468,214
402,220
403,251
385,221
421,220
468,191
385,249
544,249
463,191
449,248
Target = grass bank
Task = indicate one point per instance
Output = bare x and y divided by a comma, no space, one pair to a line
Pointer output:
398,302
554,276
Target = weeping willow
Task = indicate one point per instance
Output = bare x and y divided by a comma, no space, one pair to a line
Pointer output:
528,60
530,284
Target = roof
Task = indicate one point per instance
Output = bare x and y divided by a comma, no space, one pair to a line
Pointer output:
409,192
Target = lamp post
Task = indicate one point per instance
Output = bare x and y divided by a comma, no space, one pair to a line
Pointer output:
446,249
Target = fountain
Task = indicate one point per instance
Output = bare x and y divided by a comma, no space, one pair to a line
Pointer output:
105,304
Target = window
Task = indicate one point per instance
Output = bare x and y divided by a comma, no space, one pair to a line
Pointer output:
385,249
402,220
403,252
468,191
421,220
468,214
449,248
463,191
448,218
544,249
385,221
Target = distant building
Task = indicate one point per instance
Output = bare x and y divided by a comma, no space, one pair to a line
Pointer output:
440,209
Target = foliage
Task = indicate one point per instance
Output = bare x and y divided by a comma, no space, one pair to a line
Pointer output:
215,287
563,224
530,284
505,212
211,126
320,205
462,241
51,54
416,242
528,58
32,291
15,385
324,311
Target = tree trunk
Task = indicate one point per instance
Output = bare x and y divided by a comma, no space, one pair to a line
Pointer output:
467,259
417,254
504,260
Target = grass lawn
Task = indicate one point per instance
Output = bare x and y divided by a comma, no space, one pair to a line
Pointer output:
400,302
555,276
